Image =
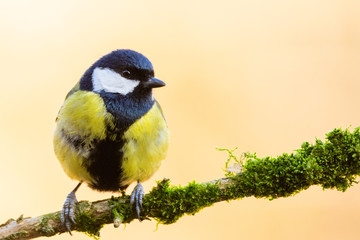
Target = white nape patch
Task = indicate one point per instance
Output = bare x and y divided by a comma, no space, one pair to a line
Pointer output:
110,81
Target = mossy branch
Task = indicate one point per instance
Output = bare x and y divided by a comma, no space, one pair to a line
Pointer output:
334,163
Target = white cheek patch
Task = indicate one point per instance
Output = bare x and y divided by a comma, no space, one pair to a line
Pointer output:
105,79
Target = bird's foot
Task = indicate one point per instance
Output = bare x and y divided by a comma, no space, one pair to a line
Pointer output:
137,198
68,211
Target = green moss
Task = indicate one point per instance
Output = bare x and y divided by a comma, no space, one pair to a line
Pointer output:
274,177
168,204
45,228
334,163
228,161
85,220
120,208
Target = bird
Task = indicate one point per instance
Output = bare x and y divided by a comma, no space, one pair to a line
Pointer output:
110,130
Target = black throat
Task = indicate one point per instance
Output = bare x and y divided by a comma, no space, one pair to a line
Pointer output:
126,109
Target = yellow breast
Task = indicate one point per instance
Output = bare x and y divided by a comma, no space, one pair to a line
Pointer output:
146,145
82,116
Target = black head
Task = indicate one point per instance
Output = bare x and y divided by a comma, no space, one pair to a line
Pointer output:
121,72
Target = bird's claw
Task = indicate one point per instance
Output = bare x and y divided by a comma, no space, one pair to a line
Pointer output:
137,198
68,211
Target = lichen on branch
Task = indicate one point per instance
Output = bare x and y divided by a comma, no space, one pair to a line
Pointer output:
334,163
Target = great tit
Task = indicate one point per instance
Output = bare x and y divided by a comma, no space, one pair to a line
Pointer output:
110,131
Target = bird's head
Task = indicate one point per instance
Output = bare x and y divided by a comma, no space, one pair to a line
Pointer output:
121,72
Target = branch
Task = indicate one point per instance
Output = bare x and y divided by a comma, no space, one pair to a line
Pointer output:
334,163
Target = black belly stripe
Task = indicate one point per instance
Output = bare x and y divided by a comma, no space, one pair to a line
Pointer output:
104,166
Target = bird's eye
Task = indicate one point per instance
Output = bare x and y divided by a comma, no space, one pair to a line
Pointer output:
126,73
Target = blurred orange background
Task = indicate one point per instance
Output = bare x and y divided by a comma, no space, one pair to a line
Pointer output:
260,75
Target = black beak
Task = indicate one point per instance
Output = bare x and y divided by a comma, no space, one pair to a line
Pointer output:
153,83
